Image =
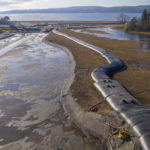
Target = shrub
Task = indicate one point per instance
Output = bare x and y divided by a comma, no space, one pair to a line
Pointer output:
143,24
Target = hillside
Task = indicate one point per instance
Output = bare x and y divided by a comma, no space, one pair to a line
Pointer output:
84,9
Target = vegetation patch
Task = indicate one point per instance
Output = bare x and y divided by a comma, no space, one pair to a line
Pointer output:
139,25
94,31
135,80
86,61
143,33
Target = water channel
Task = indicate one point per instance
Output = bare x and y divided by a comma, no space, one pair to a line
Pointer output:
32,75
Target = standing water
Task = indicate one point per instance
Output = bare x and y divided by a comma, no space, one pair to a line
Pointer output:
31,116
121,35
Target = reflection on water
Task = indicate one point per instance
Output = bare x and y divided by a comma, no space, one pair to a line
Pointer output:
121,35
34,75
31,115
7,41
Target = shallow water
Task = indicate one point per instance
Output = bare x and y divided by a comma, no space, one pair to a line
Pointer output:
32,75
121,35
7,41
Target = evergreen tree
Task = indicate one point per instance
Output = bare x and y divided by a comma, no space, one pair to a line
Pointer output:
132,25
144,19
142,24
5,20
149,17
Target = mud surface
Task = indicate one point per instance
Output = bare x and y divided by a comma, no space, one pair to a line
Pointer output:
6,41
32,76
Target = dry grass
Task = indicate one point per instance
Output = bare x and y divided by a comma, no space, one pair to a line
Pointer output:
136,80
93,22
118,27
128,50
94,31
143,33
86,61
69,22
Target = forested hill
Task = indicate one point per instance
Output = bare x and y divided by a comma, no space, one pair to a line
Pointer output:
85,9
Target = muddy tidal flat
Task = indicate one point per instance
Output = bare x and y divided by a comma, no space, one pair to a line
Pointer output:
32,76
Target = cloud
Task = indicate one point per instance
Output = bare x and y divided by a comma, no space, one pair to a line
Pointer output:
15,4
41,4
4,3
12,2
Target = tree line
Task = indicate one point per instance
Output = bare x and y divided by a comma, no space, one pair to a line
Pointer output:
5,20
142,24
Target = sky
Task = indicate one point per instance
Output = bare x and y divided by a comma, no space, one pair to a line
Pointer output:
40,4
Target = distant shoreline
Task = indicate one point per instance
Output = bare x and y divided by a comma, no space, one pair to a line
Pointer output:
67,16
84,9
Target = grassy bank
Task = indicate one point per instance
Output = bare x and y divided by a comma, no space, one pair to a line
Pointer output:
94,31
142,33
86,61
65,21
136,80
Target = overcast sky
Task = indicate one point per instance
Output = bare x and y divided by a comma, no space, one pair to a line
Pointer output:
30,4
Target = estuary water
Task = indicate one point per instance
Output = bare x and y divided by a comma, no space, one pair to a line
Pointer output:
68,16
32,76
121,35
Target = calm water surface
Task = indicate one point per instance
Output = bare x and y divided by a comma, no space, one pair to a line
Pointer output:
69,16
121,35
